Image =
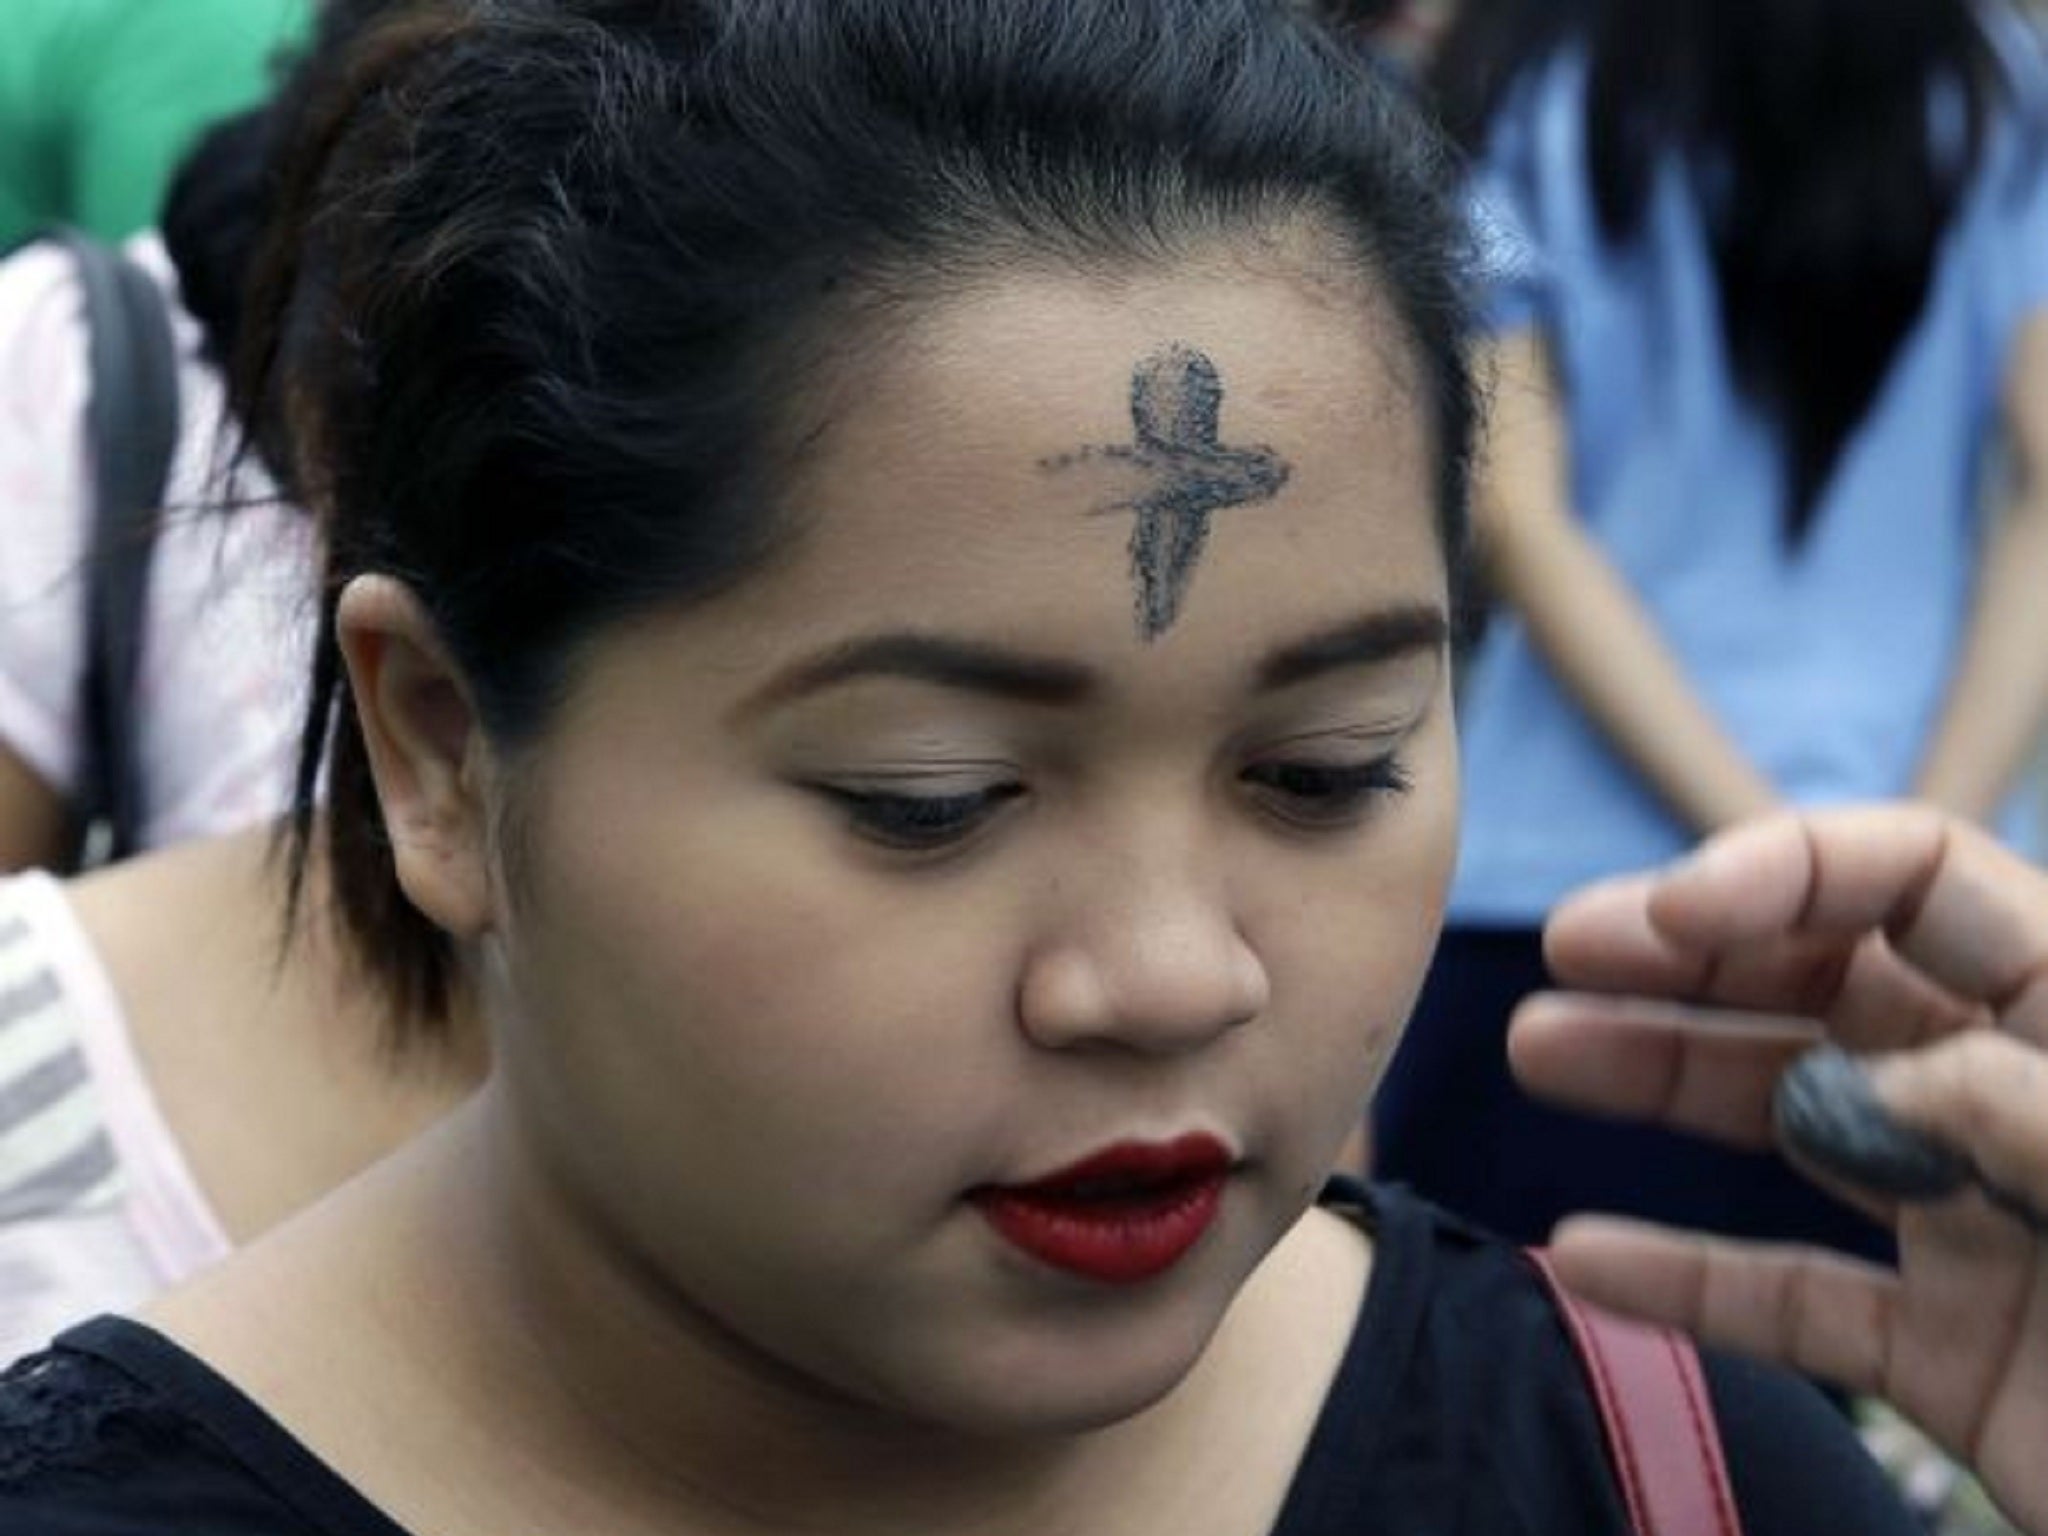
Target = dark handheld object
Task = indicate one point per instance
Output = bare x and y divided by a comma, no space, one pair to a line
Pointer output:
1827,1111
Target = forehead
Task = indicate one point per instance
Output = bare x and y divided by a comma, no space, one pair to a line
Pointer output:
984,469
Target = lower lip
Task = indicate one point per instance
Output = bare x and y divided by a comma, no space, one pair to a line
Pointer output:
1117,1242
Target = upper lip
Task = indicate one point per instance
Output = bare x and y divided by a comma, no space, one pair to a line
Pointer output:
1134,1165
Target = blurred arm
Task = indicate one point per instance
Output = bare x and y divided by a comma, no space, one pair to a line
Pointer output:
1992,716
1589,626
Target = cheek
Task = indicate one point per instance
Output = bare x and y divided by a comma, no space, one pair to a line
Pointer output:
763,1005
1422,864
1354,947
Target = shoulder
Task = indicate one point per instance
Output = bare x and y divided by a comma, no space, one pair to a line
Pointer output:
91,1450
43,321
42,333
1493,1399
43,295
1459,1405
1545,100
114,1432
44,377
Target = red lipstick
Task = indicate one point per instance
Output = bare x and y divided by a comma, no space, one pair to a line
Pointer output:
1119,1216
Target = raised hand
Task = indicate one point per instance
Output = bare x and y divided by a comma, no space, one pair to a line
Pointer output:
1914,941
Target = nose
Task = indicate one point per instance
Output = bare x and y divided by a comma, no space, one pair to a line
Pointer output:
1149,965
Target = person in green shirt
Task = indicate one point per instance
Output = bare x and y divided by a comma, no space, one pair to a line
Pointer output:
100,98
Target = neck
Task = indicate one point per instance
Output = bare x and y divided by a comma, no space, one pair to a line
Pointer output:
546,1379
636,1383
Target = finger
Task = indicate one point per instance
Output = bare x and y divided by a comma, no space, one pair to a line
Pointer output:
1745,946
1602,937
1792,973
1985,1094
1815,1312
1885,1003
1868,997
1982,932
1694,1069
1964,911
1840,871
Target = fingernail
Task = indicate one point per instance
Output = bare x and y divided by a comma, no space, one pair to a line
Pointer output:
1827,1110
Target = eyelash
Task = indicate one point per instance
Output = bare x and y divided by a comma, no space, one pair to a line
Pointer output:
920,823
1328,796
1310,796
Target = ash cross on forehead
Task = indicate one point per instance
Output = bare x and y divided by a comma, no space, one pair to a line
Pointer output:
1176,405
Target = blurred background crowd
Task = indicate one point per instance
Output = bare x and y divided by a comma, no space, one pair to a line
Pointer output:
1763,516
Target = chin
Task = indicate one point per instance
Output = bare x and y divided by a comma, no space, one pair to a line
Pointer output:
1066,1376
1055,1406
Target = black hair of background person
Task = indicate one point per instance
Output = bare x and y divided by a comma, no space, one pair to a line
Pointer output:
549,384
218,200
210,217
1806,124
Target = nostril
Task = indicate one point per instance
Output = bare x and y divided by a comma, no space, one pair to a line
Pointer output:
1159,991
1253,985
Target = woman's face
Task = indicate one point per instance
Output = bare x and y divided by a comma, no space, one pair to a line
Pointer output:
951,960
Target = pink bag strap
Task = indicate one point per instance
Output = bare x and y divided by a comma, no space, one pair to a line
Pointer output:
1659,1419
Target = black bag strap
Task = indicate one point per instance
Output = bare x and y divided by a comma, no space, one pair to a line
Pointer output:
132,430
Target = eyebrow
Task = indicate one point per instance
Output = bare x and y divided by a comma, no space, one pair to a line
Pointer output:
1374,639
977,667
969,665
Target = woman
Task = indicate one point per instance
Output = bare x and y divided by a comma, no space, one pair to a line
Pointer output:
888,608
1788,288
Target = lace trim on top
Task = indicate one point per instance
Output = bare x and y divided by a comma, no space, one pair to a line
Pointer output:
61,1410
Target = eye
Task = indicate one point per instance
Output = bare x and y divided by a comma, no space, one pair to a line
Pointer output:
919,823
1326,796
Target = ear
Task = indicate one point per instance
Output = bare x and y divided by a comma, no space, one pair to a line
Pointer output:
427,752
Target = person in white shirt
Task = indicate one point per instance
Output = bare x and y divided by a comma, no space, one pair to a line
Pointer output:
175,1079
226,631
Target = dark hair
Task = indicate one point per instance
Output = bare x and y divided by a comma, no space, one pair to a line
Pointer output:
546,277
211,215
1809,128
219,197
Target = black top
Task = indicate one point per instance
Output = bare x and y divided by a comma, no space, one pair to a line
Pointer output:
1460,1407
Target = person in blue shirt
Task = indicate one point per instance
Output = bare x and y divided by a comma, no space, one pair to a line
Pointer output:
1763,507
